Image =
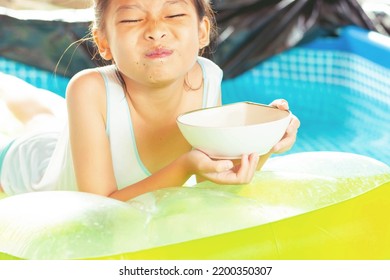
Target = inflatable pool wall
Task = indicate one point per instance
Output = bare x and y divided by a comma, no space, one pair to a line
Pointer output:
318,205
337,86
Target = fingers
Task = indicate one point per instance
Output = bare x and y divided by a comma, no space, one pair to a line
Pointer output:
293,126
205,164
247,168
285,144
242,173
280,104
222,165
224,172
289,137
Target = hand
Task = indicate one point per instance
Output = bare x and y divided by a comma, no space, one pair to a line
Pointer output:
224,171
290,136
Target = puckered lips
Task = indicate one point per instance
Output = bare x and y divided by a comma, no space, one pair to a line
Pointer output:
159,52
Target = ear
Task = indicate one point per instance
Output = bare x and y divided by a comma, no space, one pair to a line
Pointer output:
102,44
204,32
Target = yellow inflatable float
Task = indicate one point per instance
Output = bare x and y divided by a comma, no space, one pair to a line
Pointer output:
317,205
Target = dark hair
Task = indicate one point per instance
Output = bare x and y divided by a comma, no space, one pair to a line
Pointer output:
100,7
203,9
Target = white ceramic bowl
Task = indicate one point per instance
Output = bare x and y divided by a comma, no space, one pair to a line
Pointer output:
232,130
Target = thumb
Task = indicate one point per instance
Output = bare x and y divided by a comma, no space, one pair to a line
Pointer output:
212,166
223,165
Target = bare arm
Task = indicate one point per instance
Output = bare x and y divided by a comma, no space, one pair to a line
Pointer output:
89,142
91,150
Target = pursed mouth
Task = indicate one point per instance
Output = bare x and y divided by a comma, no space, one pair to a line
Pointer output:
159,53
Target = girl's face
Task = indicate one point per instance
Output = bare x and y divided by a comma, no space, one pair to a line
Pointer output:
153,42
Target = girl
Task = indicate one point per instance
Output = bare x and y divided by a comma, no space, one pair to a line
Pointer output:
124,140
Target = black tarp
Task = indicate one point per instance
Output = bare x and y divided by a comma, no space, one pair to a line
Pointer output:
258,29
250,31
46,43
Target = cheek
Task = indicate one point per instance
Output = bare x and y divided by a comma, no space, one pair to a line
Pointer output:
192,45
122,46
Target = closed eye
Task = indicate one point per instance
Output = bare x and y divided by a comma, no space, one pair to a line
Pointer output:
130,20
176,16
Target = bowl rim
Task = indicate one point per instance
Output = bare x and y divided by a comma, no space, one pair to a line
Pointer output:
231,104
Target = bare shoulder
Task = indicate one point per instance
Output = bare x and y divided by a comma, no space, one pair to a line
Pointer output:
86,95
86,86
86,82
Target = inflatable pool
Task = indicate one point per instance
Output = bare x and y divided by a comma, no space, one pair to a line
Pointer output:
337,86
318,205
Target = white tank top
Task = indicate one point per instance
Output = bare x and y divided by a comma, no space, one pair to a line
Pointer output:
58,174
128,167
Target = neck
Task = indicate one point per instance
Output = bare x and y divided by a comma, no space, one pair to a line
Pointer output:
156,103
159,102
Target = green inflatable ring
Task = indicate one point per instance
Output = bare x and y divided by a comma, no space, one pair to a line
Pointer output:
318,205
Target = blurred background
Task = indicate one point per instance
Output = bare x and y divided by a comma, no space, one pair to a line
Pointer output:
249,30
45,4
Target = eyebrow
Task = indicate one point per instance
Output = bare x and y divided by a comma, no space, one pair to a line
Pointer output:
134,6
127,7
175,2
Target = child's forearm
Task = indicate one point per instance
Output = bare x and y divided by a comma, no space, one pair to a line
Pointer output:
175,174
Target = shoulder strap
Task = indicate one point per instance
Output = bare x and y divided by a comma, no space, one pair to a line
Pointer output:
126,162
212,76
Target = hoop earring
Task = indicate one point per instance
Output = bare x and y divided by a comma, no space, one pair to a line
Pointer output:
188,86
121,80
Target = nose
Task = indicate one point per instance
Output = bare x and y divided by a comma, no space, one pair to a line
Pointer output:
155,31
